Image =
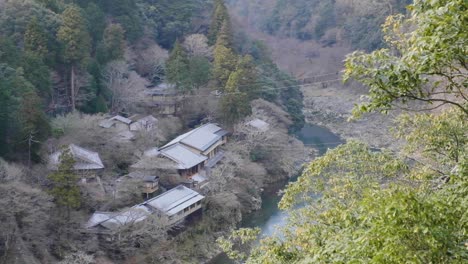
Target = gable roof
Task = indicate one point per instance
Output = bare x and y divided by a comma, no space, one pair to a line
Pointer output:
113,220
175,200
169,203
121,119
184,157
107,123
84,159
259,124
201,138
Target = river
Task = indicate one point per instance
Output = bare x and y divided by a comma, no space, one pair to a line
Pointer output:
269,216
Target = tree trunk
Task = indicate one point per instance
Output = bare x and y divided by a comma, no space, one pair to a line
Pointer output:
72,87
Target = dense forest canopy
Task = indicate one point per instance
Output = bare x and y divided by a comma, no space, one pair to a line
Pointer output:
328,21
61,53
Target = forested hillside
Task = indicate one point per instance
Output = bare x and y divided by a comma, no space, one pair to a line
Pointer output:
68,67
356,23
55,54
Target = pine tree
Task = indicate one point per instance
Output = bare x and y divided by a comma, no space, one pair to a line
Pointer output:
225,60
96,21
114,42
224,63
65,189
74,36
234,104
177,68
220,14
248,82
225,34
37,72
35,39
199,71
7,108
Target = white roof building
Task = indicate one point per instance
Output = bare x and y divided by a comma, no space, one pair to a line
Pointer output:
180,201
201,138
84,159
184,158
259,124
115,220
175,200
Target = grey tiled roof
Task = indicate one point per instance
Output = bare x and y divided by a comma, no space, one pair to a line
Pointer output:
185,158
201,138
85,159
175,200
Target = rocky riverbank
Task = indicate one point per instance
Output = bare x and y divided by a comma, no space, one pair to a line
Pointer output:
331,107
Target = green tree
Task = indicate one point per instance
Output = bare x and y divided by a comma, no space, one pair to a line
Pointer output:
7,108
37,72
35,39
224,63
439,138
114,42
177,68
234,104
426,64
21,112
367,212
65,189
96,21
225,35
218,18
248,82
74,36
199,70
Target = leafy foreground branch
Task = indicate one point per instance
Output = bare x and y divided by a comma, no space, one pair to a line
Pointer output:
369,210
426,60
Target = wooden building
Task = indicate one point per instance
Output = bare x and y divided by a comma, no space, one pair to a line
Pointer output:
171,207
87,162
194,149
150,184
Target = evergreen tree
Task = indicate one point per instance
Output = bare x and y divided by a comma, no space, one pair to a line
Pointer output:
114,42
177,68
35,39
220,15
65,189
9,53
225,60
7,108
20,111
199,70
96,21
37,72
234,104
33,124
248,82
225,35
224,63
75,38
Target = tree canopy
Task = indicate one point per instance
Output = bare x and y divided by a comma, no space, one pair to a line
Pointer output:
426,60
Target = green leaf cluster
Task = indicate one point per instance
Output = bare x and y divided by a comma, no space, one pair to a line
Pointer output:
426,61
